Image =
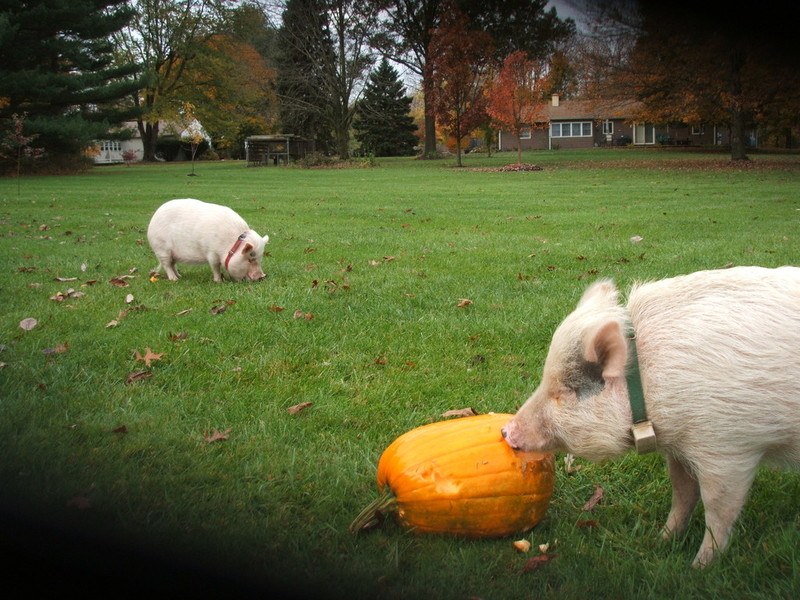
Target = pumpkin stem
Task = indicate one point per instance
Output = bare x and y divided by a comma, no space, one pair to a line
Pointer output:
374,512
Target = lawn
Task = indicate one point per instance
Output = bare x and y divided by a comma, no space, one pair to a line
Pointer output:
190,474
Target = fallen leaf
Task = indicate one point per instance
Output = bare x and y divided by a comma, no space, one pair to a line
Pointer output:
28,324
60,349
276,309
375,263
178,337
219,308
543,548
522,545
534,562
381,360
586,523
120,429
388,258
592,502
112,323
636,239
293,410
128,298
183,312
153,278
79,502
138,376
216,436
299,314
26,269
118,281
460,412
63,279
149,356
83,267
464,302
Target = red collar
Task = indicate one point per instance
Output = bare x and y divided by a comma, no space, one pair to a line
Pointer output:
234,248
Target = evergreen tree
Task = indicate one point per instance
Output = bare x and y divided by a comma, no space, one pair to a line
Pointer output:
383,123
303,41
57,67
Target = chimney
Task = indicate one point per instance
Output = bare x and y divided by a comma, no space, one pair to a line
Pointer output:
555,99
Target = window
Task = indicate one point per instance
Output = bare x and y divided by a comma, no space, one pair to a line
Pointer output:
574,129
608,127
697,130
525,133
109,146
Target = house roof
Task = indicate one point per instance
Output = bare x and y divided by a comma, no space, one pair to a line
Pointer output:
570,110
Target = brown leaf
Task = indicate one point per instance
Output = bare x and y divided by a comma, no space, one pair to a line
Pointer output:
276,309
216,436
464,302
586,524
381,360
178,337
185,311
299,314
79,502
118,281
149,356
138,376
460,412
534,562
28,324
60,349
120,429
219,308
293,410
592,502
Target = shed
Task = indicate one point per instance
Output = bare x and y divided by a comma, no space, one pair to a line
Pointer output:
275,149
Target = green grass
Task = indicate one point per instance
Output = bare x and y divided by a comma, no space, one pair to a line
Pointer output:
394,249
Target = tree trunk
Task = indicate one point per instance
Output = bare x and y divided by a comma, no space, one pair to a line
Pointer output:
738,146
149,134
430,115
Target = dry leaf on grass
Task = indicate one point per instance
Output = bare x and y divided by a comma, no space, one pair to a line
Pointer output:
148,357
138,376
522,546
216,436
464,302
592,502
60,349
178,337
293,410
460,412
534,562
28,324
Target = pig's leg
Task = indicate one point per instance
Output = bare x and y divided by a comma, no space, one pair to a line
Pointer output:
685,494
723,495
166,261
213,262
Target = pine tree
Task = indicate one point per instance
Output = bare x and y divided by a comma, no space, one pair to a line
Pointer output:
58,68
302,40
383,123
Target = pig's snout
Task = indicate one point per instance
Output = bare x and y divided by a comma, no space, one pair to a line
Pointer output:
508,435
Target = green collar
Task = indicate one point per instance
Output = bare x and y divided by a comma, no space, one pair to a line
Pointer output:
644,436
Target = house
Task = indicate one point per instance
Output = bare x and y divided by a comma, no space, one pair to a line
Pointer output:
109,152
590,124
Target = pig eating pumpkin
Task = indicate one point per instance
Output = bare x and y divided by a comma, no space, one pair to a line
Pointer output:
194,232
719,357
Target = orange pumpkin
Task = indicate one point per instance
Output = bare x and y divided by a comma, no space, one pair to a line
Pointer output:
461,477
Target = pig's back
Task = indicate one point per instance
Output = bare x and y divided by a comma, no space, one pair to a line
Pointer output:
719,353
197,217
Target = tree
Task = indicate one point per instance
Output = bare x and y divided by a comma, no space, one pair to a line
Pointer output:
302,41
57,68
383,123
462,60
515,95
325,62
165,37
705,63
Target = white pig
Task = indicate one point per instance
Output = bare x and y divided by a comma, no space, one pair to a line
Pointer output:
195,232
719,356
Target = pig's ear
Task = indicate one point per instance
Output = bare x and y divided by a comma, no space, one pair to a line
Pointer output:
607,347
266,239
246,248
602,291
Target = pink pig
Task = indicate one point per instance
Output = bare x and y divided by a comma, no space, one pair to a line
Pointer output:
194,232
719,357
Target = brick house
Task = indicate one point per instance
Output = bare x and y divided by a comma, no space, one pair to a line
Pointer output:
585,124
